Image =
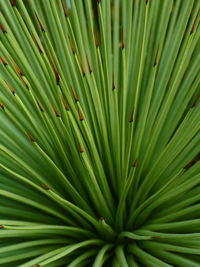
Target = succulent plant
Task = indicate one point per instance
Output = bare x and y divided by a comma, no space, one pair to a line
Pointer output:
100,133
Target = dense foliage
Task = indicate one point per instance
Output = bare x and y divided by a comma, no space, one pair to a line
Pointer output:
100,133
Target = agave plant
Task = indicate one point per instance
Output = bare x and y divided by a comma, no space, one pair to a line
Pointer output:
100,133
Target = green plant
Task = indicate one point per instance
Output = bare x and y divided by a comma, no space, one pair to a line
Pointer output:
100,133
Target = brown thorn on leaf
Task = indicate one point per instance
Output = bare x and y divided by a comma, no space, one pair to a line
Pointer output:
44,186
194,104
155,60
2,106
10,87
2,29
155,237
113,82
16,68
95,39
80,115
194,23
36,265
74,96
72,46
64,8
37,44
122,40
132,116
55,111
25,83
80,149
192,162
146,1
39,105
12,2
39,21
89,67
98,1
30,136
1,226
64,103
135,163
57,78
3,61
83,71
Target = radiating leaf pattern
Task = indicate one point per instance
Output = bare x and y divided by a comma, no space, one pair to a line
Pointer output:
100,133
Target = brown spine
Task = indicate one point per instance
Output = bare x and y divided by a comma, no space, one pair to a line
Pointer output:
80,149
55,111
64,103
2,106
16,68
135,163
39,105
30,136
155,60
194,104
40,23
2,28
122,40
80,115
45,186
37,44
3,61
10,87
132,116
12,2
57,78
64,8
95,39
113,82
89,67
72,46
193,26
